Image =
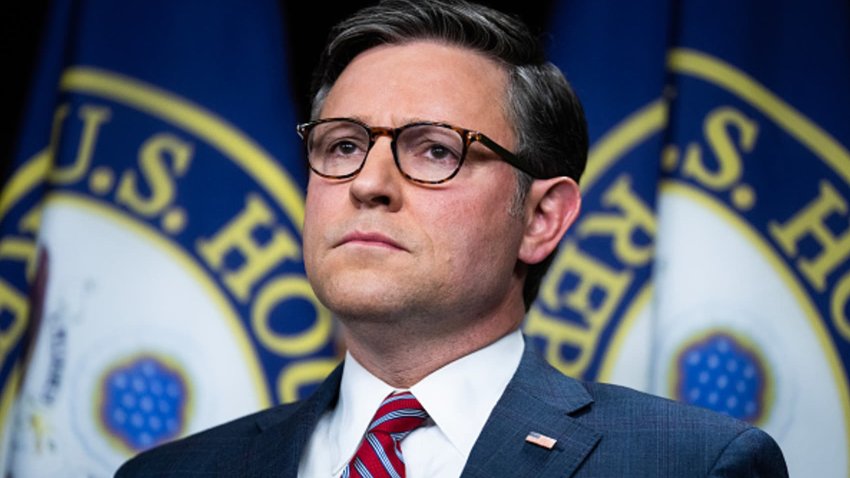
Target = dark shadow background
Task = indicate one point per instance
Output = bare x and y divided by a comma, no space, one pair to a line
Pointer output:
306,24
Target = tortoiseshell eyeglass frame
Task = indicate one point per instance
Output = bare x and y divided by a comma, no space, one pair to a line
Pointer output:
469,137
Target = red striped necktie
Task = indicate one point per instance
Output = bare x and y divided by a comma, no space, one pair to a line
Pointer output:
379,454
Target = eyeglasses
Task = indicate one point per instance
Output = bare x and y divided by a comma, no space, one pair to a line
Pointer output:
424,152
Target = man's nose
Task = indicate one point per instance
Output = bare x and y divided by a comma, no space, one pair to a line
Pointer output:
379,182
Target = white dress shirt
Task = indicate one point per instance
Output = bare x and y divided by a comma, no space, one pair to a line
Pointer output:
458,398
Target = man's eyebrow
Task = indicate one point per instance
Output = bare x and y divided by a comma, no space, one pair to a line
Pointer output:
417,119
398,121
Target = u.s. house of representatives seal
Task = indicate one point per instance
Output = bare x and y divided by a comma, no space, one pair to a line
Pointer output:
174,292
728,285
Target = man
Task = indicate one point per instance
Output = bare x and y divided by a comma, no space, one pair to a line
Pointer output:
445,154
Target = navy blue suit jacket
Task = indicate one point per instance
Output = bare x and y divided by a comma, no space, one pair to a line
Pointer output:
601,431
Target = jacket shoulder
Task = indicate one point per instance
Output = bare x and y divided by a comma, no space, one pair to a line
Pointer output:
683,439
615,402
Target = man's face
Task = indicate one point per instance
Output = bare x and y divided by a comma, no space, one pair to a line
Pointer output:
379,247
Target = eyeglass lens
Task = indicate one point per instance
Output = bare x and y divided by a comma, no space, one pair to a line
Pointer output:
423,152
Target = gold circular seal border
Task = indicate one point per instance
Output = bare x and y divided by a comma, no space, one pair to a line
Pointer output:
225,137
196,120
217,132
221,135
643,123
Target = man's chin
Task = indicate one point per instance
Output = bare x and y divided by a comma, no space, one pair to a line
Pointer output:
376,292
369,302
365,308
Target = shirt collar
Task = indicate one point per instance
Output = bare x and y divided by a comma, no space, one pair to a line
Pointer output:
360,395
458,397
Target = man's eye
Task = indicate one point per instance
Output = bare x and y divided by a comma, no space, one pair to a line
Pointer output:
345,148
436,152
342,147
439,151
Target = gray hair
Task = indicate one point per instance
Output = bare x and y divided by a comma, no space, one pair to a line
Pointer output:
547,117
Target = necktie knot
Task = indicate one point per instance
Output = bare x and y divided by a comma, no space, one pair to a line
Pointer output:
399,413
379,454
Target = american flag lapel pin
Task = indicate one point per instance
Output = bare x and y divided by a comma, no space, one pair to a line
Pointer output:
541,440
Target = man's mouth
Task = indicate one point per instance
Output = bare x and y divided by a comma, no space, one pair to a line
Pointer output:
370,239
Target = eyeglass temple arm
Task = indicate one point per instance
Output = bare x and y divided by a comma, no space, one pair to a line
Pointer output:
508,156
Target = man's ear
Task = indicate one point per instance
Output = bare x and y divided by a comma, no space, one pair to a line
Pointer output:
551,207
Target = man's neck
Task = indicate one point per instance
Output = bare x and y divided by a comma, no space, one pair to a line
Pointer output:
407,358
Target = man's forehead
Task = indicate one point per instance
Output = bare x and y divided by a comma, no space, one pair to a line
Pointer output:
431,57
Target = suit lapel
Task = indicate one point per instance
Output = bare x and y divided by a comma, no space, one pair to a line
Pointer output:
538,399
277,449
